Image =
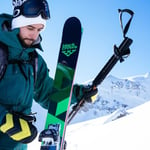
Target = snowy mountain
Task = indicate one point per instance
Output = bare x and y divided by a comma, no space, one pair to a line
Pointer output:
115,94
119,119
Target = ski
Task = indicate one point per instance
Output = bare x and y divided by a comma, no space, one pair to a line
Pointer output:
52,137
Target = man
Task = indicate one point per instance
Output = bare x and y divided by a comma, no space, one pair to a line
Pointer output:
24,74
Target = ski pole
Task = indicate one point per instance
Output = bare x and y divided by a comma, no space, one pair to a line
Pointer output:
120,53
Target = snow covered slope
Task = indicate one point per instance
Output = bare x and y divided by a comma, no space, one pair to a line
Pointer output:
118,120
131,132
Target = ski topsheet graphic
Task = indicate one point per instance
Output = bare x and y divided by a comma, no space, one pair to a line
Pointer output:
52,137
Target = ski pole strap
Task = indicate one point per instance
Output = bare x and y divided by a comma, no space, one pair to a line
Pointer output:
126,27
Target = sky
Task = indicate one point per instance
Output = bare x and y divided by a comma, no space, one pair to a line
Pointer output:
101,31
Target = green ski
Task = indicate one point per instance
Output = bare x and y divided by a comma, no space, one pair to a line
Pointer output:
52,137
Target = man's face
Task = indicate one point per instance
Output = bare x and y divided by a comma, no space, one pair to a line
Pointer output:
29,34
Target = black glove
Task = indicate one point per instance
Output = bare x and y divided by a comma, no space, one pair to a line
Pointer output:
88,93
19,127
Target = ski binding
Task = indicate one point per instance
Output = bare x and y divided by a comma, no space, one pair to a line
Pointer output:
50,137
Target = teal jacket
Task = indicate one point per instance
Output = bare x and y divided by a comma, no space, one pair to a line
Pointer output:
17,89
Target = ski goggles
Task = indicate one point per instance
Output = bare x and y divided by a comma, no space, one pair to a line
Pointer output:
33,8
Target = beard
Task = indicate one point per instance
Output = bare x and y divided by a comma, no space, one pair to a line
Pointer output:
27,42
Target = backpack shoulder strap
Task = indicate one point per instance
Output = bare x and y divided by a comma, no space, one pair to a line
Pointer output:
3,59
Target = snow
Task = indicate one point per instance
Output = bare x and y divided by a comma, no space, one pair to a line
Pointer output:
130,132
118,120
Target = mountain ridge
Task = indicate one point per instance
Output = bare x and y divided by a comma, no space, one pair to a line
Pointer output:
116,93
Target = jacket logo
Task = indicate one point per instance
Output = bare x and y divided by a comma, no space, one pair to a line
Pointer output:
69,49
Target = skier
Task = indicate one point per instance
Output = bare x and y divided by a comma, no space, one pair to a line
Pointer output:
24,74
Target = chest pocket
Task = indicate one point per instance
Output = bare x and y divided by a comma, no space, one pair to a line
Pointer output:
33,60
17,84
16,87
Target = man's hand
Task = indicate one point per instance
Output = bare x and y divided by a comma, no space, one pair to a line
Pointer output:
86,92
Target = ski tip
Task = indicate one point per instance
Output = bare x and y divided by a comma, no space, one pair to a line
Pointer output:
73,19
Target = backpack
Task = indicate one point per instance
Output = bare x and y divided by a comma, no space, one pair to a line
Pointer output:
4,61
